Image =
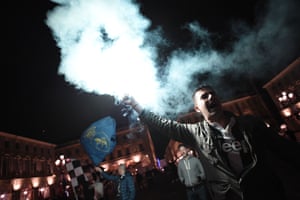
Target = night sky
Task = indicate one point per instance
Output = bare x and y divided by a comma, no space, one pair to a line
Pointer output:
37,102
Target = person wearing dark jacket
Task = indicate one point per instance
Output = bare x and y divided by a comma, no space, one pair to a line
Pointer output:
124,180
239,153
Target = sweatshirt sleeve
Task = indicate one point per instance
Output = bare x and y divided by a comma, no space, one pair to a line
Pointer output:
109,176
180,173
182,132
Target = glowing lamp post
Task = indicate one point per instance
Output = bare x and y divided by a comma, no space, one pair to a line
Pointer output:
60,164
61,161
25,193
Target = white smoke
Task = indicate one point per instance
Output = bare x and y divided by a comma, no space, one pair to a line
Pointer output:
104,49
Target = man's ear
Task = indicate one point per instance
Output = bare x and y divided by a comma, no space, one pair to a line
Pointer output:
196,108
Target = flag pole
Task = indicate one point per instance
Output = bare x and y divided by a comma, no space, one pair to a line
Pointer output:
75,193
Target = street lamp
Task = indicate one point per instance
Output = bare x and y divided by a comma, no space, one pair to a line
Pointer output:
60,164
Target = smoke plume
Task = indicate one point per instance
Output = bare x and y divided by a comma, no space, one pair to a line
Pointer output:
107,48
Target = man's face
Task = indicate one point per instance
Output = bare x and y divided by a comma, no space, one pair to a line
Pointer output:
183,151
207,103
121,171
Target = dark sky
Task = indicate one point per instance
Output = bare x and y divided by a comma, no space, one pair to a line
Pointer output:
36,102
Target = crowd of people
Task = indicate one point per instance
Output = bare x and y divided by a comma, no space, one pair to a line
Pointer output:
119,184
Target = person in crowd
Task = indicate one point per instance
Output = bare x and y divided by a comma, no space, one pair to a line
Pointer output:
124,180
237,152
191,174
139,181
97,186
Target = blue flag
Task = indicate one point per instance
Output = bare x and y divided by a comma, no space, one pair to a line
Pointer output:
99,139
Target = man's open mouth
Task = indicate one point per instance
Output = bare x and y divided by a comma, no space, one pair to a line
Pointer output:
212,105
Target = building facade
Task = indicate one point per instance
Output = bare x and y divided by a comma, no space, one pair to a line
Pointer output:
26,167
33,169
284,89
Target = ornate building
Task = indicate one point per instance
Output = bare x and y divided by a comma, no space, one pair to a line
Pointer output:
284,89
26,167
32,169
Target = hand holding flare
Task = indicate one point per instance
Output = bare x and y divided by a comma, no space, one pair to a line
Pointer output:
129,100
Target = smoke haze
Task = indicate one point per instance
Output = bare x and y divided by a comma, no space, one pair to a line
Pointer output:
108,48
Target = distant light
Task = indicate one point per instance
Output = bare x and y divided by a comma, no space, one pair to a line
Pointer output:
136,158
283,126
291,95
298,105
68,177
287,112
35,182
105,167
158,163
17,183
122,161
62,157
267,124
50,180
57,162
284,98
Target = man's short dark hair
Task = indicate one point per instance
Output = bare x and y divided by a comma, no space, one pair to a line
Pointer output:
201,87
